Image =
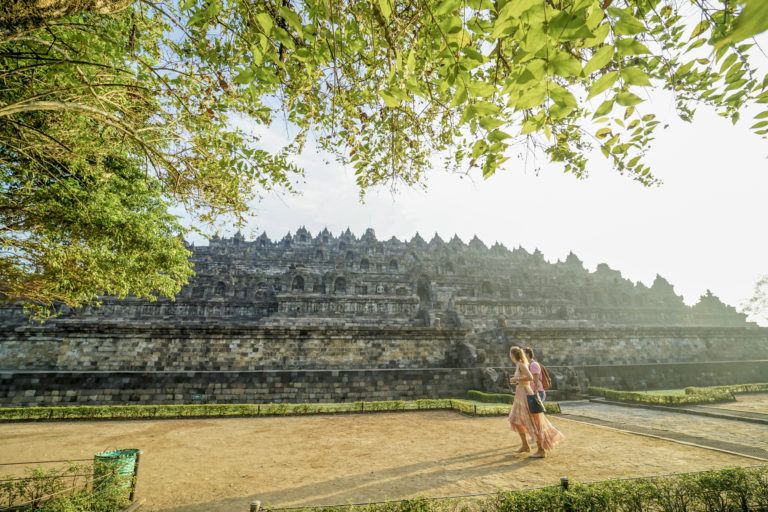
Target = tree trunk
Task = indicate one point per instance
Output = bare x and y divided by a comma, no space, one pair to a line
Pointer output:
17,16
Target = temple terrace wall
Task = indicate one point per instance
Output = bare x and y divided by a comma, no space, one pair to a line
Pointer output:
101,346
615,346
23,388
217,347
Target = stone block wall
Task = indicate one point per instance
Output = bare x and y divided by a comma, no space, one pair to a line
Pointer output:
100,346
617,345
299,386
29,388
160,348
676,375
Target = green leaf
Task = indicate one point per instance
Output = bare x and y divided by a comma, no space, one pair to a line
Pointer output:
633,75
389,99
628,99
292,18
498,135
244,77
480,89
535,40
629,46
486,107
284,37
603,83
564,64
531,98
460,96
700,29
515,8
596,15
604,108
490,122
567,26
502,25
600,34
303,54
446,6
410,63
752,21
562,96
626,24
602,133
530,125
385,6
600,58
265,20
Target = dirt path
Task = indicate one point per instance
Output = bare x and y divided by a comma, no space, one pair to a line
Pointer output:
221,464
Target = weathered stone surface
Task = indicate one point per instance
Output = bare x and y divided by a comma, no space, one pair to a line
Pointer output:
264,321
96,388
325,280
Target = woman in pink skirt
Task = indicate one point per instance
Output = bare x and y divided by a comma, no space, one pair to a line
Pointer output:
521,419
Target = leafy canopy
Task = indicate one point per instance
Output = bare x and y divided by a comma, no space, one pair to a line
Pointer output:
385,84
114,111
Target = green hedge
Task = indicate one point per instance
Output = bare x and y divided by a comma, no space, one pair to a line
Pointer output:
492,398
505,398
727,490
707,396
760,387
92,412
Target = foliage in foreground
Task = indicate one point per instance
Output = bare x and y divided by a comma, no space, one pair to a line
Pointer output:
87,412
184,87
701,396
72,489
726,490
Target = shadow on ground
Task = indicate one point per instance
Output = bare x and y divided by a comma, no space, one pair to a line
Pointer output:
410,480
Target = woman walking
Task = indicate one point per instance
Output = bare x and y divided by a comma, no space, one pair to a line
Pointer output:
527,414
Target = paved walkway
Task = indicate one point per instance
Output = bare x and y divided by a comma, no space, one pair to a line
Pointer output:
755,417
747,402
698,410
721,434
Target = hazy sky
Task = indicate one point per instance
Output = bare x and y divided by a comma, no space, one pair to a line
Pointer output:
705,227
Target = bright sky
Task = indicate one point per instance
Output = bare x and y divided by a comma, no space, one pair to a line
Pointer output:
705,227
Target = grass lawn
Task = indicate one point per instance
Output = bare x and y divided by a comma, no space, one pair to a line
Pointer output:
662,392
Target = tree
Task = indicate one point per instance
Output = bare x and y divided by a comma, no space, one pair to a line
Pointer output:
757,305
381,84
83,94
85,229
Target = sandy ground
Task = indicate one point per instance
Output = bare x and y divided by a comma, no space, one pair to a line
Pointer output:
222,464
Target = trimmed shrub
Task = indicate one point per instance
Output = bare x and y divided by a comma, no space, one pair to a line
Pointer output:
503,398
492,398
707,396
123,412
760,387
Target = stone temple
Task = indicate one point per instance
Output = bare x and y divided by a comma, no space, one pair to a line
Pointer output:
323,317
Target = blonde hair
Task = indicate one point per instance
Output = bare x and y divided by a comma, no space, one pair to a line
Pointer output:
517,355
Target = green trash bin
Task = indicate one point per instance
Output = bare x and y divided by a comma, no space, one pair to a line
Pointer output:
116,467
